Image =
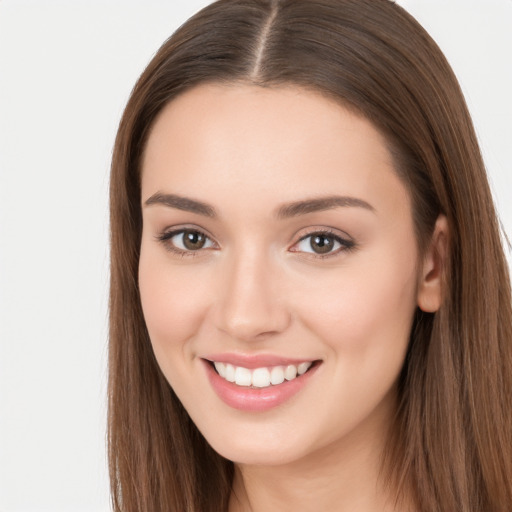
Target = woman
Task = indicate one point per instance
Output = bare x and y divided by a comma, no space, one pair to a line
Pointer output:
310,305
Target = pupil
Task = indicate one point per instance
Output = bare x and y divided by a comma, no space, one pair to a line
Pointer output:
322,244
193,240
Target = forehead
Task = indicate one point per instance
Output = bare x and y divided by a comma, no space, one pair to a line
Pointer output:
271,143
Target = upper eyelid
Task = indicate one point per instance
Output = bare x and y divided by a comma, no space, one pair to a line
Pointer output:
346,241
175,230
167,234
336,233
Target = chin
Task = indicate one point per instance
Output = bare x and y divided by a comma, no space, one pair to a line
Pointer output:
263,444
257,455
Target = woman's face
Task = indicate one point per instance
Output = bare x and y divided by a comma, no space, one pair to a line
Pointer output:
277,238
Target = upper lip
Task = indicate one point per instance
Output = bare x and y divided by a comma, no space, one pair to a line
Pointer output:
252,361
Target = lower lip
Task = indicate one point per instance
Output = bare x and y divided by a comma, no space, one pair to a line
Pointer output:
256,399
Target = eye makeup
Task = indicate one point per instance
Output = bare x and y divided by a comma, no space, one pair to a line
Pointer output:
186,241
318,243
323,243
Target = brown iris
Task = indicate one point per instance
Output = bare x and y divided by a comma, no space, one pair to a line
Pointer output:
322,244
193,240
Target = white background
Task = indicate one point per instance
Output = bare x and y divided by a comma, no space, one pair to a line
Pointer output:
66,69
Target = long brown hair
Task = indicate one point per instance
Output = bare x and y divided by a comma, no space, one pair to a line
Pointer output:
452,442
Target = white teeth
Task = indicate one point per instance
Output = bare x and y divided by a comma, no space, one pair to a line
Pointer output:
230,373
221,369
303,368
260,377
291,372
277,375
242,376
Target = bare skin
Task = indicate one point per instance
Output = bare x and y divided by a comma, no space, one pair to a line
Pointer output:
275,225
353,485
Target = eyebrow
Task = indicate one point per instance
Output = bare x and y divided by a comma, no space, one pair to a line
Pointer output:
286,211
182,203
320,204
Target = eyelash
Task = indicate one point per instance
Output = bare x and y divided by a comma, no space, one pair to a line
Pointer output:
166,237
345,244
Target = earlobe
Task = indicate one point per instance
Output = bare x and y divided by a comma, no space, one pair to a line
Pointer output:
430,287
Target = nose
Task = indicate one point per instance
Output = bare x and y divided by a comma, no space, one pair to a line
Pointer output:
252,301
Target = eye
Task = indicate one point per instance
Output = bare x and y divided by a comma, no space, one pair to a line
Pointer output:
322,243
186,240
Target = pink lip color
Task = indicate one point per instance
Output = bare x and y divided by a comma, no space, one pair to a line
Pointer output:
252,399
252,361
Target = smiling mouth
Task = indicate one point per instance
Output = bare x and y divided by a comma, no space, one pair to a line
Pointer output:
263,377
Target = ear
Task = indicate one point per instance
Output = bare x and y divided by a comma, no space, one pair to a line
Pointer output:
430,286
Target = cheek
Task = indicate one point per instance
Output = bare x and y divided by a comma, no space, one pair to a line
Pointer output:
368,307
173,301
363,316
